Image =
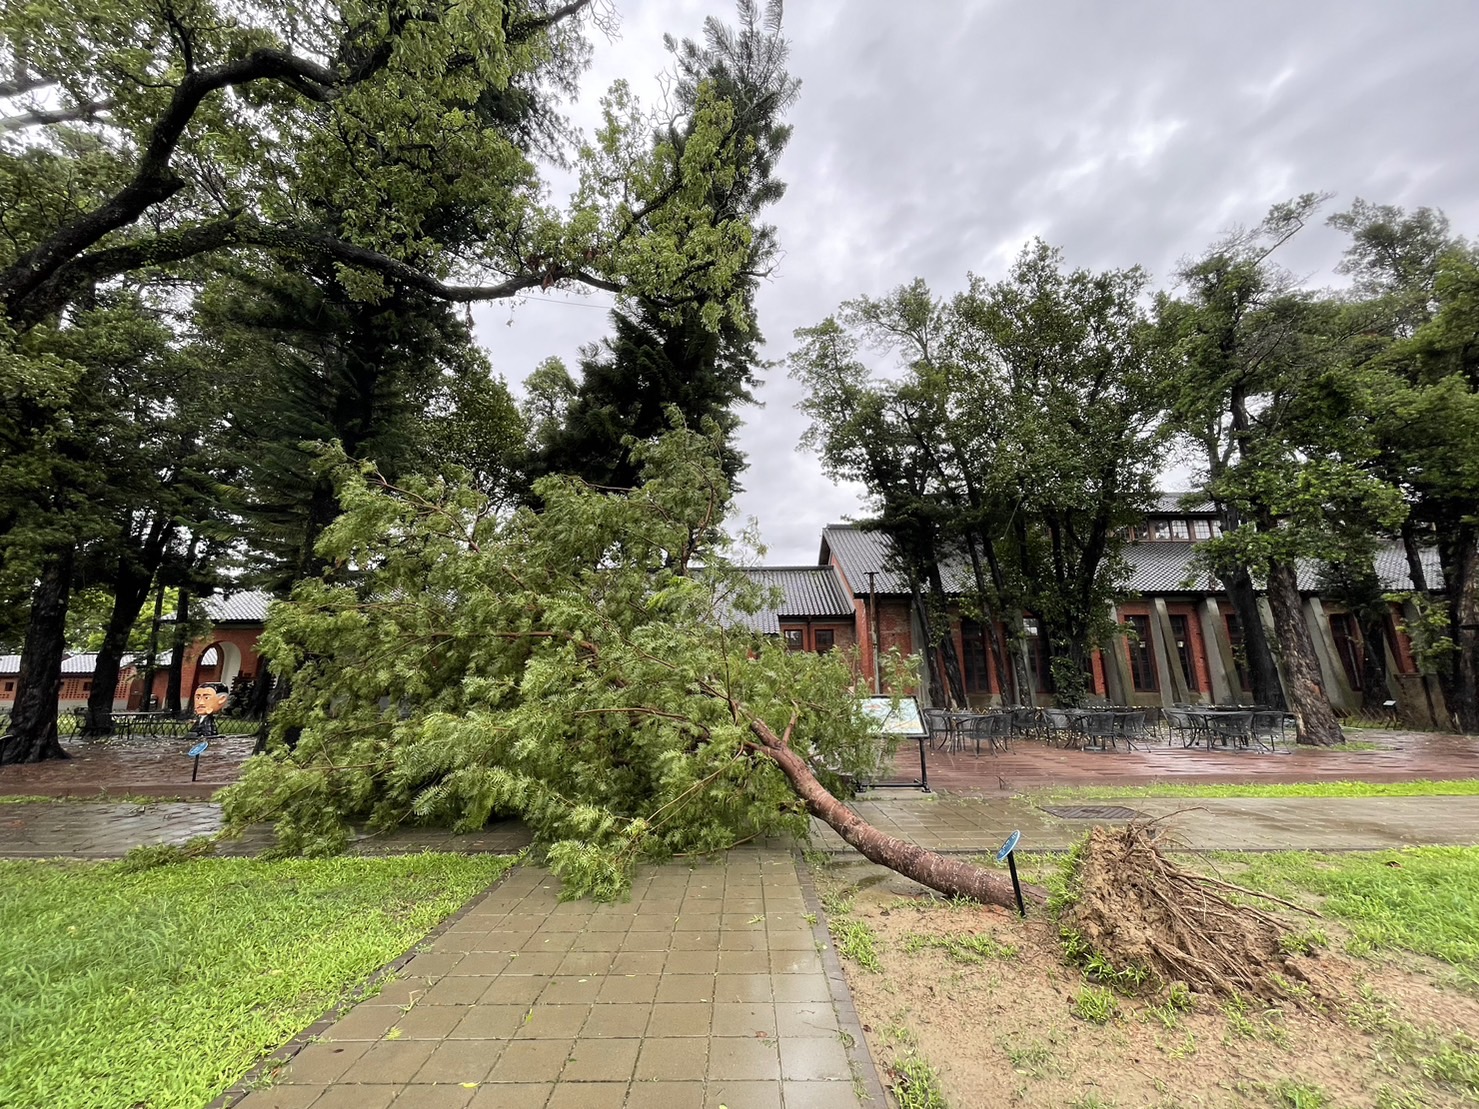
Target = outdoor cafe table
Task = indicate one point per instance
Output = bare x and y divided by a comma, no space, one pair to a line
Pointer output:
1214,722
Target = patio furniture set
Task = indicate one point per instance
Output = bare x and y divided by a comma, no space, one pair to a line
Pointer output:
1209,727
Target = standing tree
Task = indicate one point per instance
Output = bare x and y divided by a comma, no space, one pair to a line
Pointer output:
663,356
1265,383
573,667
1033,408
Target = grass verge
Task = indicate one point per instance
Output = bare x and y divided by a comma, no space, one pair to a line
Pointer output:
1463,787
163,986
1418,899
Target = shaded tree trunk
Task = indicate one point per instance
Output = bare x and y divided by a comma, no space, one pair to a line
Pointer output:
953,877
33,719
1461,577
130,588
1314,720
1263,671
152,659
1374,691
181,640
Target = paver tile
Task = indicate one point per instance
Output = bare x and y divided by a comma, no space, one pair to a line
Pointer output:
819,1095
672,1059
531,1061
814,1058
553,1022
390,1061
750,1094
743,1058
666,1095
511,1095
428,1022
460,1061
681,1019
322,1063
601,1060
617,1022
356,1096
453,1096
588,1095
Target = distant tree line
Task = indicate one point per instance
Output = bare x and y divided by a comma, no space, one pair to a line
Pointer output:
1023,426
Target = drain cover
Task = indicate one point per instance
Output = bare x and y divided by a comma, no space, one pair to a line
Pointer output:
1093,812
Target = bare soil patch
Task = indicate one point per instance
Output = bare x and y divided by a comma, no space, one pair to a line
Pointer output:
988,1002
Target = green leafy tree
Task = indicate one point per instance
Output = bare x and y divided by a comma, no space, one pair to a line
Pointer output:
1269,384
1032,410
574,667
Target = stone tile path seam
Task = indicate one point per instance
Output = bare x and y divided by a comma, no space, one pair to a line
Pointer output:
705,989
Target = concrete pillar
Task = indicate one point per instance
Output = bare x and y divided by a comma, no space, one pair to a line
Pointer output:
1116,669
1173,681
1332,671
1222,667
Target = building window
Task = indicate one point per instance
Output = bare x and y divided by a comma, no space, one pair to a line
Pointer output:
1160,529
10,687
973,655
1142,661
825,639
795,638
1201,529
1181,632
1180,530
87,686
1239,652
1139,533
1347,638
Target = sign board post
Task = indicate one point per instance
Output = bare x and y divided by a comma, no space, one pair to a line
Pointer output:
901,717
195,753
1007,855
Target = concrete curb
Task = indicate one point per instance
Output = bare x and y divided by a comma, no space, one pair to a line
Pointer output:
859,1055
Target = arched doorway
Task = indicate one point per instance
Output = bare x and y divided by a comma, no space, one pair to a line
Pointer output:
220,662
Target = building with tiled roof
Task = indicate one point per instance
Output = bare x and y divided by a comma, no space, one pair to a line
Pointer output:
1182,641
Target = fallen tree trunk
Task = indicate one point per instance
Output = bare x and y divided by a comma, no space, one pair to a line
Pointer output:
952,877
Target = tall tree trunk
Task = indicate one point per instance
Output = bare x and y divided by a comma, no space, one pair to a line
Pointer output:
129,591
1314,720
177,658
954,674
33,720
151,660
1263,671
1461,578
953,877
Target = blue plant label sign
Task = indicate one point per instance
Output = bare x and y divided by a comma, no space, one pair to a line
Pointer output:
199,749
1008,847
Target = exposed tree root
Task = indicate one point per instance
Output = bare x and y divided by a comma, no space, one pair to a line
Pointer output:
1135,908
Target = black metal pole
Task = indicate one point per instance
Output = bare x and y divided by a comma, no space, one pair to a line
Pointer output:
1016,885
194,770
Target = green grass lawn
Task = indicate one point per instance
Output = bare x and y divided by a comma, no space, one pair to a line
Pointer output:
1465,787
1421,899
162,987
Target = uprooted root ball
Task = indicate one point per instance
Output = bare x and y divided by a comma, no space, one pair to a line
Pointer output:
1136,909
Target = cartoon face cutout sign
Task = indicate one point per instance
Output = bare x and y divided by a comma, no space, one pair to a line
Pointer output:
210,699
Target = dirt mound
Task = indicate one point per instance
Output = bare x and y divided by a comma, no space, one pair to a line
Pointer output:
1136,909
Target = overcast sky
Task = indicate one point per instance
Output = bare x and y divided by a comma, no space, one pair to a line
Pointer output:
933,139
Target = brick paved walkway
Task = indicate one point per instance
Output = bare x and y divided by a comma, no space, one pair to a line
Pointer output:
132,768
1404,757
708,988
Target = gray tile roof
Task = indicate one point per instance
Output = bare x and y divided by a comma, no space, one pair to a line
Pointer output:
805,591
1196,504
246,607
1163,568
10,664
858,550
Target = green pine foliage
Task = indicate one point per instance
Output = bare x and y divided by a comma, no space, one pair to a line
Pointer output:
577,668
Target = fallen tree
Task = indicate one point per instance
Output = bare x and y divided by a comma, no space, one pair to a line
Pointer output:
583,668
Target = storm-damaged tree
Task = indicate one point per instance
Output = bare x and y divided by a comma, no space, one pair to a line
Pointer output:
576,667
393,146
1034,408
660,357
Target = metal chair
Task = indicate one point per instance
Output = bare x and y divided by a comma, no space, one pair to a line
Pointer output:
1184,726
1235,726
1098,729
1270,725
937,723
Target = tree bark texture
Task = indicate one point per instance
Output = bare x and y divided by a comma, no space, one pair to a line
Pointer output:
950,876
1461,578
129,592
1263,671
181,640
33,720
1374,691
1314,720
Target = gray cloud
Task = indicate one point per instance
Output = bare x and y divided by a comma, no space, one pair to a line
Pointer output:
937,142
